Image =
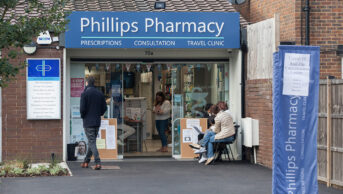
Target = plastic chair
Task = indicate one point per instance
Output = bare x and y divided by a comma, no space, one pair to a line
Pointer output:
221,147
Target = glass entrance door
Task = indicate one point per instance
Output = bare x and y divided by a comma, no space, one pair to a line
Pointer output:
194,87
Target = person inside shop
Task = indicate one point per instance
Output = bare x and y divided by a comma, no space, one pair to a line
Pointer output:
162,114
92,107
127,130
223,131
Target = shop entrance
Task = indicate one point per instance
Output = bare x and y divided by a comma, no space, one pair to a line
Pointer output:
130,89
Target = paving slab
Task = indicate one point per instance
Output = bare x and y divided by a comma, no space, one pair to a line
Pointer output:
153,176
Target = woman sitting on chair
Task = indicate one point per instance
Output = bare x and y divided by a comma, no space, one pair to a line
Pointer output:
223,131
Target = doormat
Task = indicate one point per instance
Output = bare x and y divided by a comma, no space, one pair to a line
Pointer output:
108,167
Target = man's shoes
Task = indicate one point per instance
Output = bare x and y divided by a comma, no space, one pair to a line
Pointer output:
209,161
195,146
200,151
202,159
97,167
84,165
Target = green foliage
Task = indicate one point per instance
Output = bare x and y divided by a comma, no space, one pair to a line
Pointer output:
16,29
16,171
43,169
26,164
7,167
33,171
57,170
53,162
2,173
22,168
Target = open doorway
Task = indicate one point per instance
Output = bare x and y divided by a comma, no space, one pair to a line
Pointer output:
130,88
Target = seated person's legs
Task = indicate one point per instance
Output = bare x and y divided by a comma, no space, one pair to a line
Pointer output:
127,131
212,140
207,138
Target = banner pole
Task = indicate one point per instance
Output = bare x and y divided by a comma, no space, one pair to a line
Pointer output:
328,134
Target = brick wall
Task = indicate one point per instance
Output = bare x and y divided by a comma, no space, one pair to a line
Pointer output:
265,9
326,31
258,97
326,26
244,10
259,92
28,139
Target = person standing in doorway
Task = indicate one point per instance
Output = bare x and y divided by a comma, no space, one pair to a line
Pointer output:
162,114
92,107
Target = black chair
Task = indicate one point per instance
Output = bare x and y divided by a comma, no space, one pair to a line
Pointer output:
221,147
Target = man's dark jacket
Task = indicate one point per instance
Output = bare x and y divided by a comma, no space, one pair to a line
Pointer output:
92,107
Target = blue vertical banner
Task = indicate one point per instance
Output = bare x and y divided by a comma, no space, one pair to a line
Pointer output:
295,119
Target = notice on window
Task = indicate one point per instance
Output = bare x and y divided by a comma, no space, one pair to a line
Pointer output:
195,136
296,75
104,123
101,143
75,111
76,87
187,135
111,137
77,131
190,123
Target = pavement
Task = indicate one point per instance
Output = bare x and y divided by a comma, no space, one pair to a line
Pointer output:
157,176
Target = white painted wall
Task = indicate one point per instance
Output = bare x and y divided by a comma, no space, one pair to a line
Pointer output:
214,89
235,100
235,81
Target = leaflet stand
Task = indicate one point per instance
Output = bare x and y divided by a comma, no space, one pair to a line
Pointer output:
109,154
186,151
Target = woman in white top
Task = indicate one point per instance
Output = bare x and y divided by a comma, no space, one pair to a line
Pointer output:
162,114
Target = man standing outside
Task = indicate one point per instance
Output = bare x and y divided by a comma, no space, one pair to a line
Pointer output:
92,107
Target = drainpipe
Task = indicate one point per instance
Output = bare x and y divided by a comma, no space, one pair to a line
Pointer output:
244,52
307,10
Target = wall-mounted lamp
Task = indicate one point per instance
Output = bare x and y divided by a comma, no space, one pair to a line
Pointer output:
160,5
339,50
30,48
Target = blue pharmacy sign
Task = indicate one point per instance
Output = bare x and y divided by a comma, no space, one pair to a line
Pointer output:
153,30
43,69
43,89
295,119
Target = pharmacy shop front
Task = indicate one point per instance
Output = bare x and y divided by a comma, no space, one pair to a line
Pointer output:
194,58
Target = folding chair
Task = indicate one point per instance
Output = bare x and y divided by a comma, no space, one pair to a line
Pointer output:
221,147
